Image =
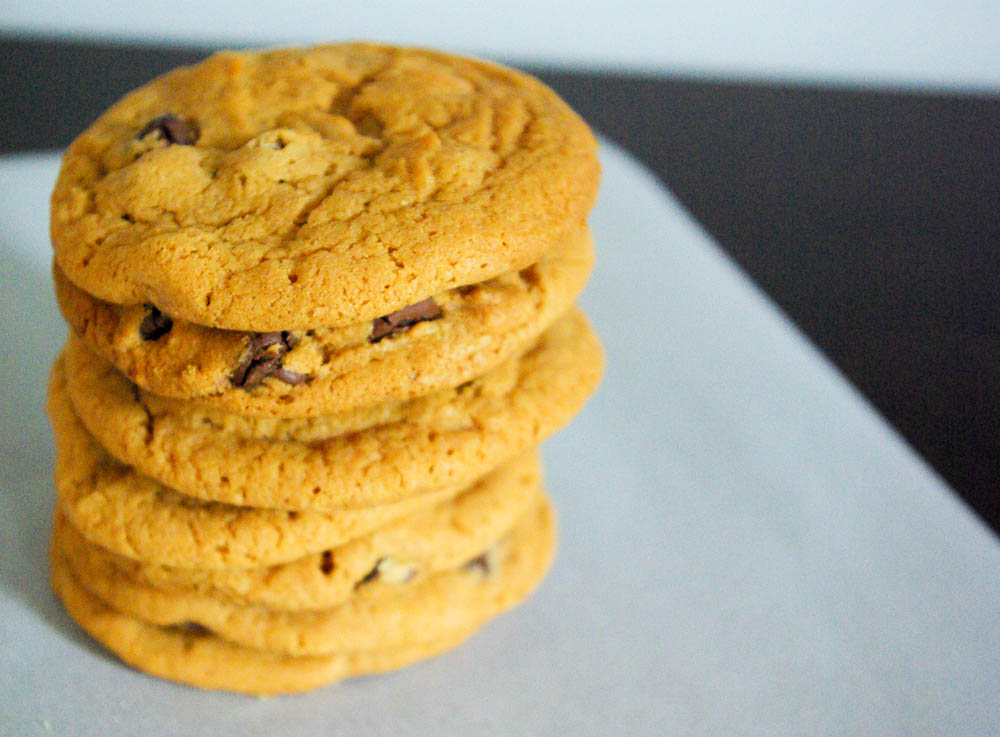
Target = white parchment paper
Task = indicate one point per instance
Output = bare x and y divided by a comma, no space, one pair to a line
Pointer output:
747,548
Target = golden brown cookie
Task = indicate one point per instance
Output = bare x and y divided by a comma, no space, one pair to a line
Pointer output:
302,188
360,458
402,552
199,659
430,609
334,369
134,516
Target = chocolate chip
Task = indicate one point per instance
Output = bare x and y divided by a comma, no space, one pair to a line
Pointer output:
398,321
263,357
172,129
481,564
290,377
326,562
193,628
392,570
370,576
155,324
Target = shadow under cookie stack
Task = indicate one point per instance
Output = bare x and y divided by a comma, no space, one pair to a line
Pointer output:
322,316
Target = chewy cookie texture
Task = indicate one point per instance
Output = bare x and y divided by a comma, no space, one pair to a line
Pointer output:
321,311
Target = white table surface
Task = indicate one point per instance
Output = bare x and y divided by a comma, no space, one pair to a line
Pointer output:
747,548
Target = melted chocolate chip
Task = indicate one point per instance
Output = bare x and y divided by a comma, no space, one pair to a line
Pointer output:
155,324
290,377
265,352
480,563
370,576
326,562
172,130
400,320
193,628
391,570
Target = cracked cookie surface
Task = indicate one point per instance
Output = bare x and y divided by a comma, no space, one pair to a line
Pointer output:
205,661
428,610
402,552
335,369
375,455
301,188
134,516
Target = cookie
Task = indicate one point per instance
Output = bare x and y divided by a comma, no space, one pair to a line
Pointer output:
334,369
402,552
200,659
427,610
134,516
300,188
376,455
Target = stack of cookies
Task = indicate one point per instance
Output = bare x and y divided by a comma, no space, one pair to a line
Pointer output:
322,316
